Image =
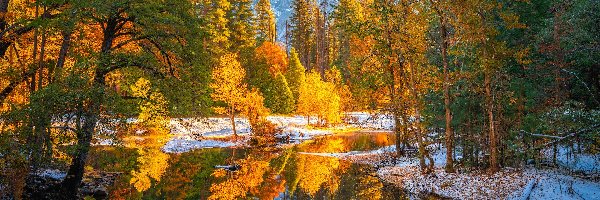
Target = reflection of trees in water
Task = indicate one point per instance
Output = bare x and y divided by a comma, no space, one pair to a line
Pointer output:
238,184
152,165
263,175
345,143
189,175
316,172
325,145
369,187
152,162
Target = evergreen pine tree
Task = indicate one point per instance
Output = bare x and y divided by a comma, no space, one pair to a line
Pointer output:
265,22
295,75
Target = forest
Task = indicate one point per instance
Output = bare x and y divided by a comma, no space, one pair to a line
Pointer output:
352,99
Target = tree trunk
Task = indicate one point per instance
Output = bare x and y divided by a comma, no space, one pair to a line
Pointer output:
492,132
62,56
397,132
41,63
449,132
417,123
232,117
70,184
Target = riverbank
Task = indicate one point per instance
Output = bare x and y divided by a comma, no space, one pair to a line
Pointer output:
509,183
187,134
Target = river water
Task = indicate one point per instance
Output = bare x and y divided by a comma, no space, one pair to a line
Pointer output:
275,173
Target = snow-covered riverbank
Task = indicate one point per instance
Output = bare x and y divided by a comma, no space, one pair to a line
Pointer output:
528,183
196,133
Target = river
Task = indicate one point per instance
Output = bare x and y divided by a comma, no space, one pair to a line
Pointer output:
286,172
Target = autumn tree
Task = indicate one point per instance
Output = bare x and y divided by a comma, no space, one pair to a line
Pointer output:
267,75
319,98
153,106
229,87
273,56
334,76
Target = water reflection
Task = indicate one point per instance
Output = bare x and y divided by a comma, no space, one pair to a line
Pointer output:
281,174
348,142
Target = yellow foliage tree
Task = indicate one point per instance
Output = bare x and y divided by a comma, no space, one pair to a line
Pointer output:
319,98
152,161
254,107
229,87
334,76
153,108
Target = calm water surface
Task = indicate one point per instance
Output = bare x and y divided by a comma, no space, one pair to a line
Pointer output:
150,173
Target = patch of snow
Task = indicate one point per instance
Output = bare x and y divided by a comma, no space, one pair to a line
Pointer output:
215,127
184,145
371,121
551,184
52,173
104,142
475,185
524,195
296,133
565,157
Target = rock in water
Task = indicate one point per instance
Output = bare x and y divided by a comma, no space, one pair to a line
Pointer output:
231,168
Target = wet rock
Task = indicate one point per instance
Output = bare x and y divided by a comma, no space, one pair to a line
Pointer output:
46,187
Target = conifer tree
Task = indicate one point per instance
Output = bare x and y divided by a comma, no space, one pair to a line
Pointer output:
265,22
303,24
279,97
217,26
240,25
295,75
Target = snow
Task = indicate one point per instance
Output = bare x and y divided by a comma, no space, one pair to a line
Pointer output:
585,163
185,145
371,121
104,142
509,183
551,184
524,195
52,173
214,127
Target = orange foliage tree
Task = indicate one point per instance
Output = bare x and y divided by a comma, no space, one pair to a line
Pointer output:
274,56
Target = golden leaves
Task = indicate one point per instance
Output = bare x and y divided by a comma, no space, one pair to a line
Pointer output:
317,97
315,172
153,164
153,108
228,81
246,180
512,20
274,55
253,106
